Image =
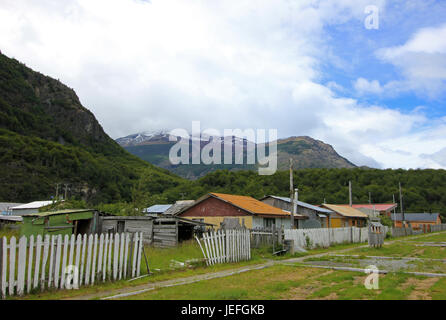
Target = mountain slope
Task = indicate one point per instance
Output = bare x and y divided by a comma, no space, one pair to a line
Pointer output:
48,137
305,152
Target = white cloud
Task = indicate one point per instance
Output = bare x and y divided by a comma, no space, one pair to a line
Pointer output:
364,86
422,62
234,64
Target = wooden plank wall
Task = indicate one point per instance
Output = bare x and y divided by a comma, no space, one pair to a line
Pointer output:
67,262
131,224
165,233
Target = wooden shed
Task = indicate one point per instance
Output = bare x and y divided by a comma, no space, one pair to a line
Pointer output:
74,221
119,224
169,231
157,231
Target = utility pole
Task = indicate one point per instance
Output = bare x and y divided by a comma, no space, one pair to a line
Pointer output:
394,211
296,198
57,191
291,194
370,198
66,189
350,193
401,205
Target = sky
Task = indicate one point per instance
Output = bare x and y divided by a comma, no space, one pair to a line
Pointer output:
374,88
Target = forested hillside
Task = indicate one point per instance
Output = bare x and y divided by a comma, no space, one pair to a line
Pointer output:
423,190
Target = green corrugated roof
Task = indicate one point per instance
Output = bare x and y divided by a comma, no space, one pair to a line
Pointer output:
53,213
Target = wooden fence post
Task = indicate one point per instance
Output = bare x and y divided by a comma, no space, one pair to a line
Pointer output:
57,263
12,249
141,247
121,255
104,261
21,267
64,261
100,255
4,261
30,264
93,263
135,254
88,264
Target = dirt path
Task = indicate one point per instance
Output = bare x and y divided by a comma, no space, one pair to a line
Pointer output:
134,290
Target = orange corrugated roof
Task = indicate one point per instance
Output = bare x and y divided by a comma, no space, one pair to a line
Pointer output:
250,204
345,211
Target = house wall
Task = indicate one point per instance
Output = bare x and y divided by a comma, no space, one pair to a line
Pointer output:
214,211
311,214
258,222
338,221
417,224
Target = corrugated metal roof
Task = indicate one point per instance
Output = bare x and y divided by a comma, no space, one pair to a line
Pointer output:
430,217
250,204
52,213
12,218
4,206
304,204
33,205
179,206
375,206
346,211
158,208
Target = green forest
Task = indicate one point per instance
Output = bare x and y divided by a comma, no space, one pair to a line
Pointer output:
423,190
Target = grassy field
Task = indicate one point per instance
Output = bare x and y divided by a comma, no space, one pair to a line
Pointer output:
289,279
162,267
305,282
8,233
290,282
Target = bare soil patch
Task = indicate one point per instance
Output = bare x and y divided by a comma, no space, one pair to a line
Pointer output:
420,292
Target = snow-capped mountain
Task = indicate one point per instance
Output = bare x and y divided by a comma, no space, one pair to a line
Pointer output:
142,138
306,152
162,136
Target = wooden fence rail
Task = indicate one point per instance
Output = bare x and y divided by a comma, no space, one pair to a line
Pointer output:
66,262
224,246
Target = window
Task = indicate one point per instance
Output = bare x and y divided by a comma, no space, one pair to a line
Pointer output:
120,226
268,222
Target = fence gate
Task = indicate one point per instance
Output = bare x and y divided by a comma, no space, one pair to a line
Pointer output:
66,262
224,246
267,237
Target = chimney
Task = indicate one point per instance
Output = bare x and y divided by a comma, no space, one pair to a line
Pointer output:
350,193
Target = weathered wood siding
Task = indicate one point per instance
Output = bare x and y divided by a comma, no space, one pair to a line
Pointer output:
131,224
165,233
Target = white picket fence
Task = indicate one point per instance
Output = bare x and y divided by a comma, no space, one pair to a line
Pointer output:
224,246
65,262
325,237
